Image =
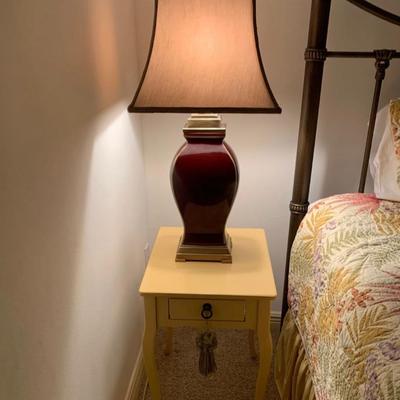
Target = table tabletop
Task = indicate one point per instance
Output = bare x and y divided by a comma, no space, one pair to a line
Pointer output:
249,275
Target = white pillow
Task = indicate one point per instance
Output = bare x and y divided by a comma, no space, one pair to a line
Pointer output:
380,125
386,165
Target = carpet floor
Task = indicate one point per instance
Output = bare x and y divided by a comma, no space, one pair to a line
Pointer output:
234,380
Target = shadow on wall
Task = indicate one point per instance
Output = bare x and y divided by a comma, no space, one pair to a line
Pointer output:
63,64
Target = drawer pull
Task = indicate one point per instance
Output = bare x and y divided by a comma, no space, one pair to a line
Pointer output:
206,311
203,310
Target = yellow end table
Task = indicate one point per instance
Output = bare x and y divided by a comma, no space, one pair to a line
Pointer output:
239,294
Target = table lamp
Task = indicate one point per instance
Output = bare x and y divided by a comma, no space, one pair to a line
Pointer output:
204,59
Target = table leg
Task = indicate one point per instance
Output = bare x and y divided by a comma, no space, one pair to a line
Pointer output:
168,341
252,345
149,346
265,347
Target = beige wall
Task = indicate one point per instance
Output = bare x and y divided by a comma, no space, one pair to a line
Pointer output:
72,203
266,145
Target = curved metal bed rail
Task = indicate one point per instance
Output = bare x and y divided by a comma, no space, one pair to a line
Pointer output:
377,11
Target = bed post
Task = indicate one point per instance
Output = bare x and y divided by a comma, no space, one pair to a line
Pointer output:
315,56
382,63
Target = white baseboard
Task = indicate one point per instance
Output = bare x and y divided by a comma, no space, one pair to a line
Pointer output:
275,317
138,379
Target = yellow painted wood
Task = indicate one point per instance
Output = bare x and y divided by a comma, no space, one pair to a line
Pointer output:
265,347
168,341
240,294
164,319
250,274
252,345
149,346
223,310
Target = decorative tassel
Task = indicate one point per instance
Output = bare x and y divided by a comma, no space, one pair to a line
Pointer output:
207,342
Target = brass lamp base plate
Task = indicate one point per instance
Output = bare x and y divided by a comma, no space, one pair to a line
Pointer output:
205,253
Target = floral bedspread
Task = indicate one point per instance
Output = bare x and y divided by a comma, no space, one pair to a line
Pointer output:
344,294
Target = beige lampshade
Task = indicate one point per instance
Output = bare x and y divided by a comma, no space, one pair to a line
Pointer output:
204,57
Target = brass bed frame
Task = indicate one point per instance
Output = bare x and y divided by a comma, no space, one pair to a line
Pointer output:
315,56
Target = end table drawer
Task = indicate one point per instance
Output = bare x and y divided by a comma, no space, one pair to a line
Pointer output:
207,309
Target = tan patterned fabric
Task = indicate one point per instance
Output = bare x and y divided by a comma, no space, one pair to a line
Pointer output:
395,124
395,128
344,294
292,376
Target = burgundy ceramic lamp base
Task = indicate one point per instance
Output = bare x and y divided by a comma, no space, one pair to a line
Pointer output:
204,179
